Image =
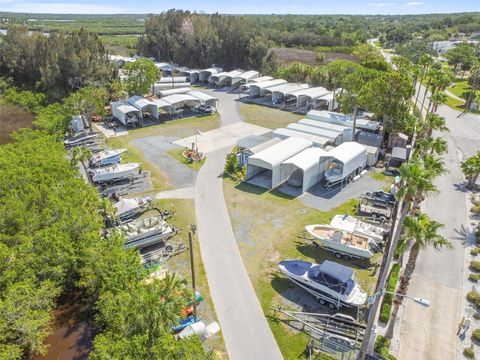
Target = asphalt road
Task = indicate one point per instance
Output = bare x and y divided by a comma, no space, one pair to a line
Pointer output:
430,333
245,329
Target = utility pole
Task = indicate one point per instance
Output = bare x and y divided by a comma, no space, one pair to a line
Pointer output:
355,110
171,74
193,228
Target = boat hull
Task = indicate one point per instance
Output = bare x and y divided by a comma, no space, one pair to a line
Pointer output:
149,238
114,175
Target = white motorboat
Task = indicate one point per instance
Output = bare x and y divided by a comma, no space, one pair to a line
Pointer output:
341,242
147,231
330,282
126,208
115,172
105,157
351,224
75,140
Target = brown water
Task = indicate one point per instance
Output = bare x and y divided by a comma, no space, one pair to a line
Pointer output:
72,335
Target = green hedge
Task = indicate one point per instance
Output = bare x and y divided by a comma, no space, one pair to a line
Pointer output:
382,347
474,297
386,308
475,265
476,335
469,353
474,277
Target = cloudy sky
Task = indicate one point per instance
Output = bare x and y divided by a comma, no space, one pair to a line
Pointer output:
243,6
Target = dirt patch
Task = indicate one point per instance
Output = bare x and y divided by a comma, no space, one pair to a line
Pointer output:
289,55
12,118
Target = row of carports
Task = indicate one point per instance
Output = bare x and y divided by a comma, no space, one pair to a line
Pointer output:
134,111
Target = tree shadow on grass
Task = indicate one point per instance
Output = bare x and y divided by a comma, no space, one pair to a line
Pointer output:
250,188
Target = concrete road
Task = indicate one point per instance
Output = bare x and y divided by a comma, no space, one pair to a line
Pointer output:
431,333
245,329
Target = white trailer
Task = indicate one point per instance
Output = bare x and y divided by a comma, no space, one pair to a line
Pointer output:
346,161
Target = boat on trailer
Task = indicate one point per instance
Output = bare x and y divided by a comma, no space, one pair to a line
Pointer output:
107,157
330,282
115,172
78,139
341,242
352,224
127,208
147,231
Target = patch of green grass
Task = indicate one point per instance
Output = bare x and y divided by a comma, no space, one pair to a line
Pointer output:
380,176
266,225
460,87
184,215
128,41
177,154
454,103
386,309
266,116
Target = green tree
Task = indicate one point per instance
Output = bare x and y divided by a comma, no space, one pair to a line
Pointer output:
461,57
471,170
81,154
87,102
141,75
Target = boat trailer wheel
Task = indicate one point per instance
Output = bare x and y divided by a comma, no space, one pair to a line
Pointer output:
169,248
338,255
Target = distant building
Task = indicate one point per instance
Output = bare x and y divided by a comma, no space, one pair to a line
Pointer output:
443,46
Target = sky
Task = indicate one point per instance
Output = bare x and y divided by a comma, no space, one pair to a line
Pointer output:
242,6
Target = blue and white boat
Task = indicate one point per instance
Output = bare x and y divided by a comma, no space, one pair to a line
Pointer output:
107,157
330,281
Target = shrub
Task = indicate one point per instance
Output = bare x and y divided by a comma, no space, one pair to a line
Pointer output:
382,347
386,308
468,352
475,265
474,277
475,251
476,316
476,335
474,297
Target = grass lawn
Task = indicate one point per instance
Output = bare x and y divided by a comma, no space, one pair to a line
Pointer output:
266,225
460,87
178,155
180,264
455,104
267,117
180,128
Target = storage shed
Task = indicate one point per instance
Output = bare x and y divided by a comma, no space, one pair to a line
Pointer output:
257,87
147,107
319,141
264,168
245,77
306,168
335,136
399,156
372,155
127,114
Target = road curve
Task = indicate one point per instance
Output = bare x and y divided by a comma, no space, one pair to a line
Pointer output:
245,329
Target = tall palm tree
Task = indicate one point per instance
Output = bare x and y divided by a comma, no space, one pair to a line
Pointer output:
432,122
431,146
81,154
434,165
437,99
425,62
471,170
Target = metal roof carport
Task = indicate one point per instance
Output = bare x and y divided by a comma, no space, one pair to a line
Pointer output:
182,90
346,131
266,163
168,86
144,105
224,78
278,95
306,168
192,75
174,79
126,113
245,77
256,88
204,98
203,75
257,80
178,101
342,119
336,136
301,98
319,141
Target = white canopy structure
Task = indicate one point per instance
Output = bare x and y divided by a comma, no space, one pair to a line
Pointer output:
178,101
246,86
127,114
306,168
245,77
278,95
346,131
265,165
204,98
224,78
182,90
305,97
203,75
283,133
270,90
257,87
167,86
192,75
342,119
174,79
145,105
335,136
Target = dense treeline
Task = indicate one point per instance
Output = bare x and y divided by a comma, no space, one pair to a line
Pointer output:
55,64
198,40
51,226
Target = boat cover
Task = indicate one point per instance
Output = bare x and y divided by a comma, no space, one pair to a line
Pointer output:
297,267
335,270
110,160
125,205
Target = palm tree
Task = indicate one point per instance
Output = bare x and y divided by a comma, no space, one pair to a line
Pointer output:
425,62
471,170
437,99
434,165
81,154
432,122
431,146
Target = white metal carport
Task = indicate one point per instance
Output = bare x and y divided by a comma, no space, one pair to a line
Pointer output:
319,141
257,80
192,75
306,168
304,98
127,114
278,95
245,77
256,88
180,90
265,165
346,131
145,105
178,101
224,78
157,87
204,98
203,75
336,136
342,119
